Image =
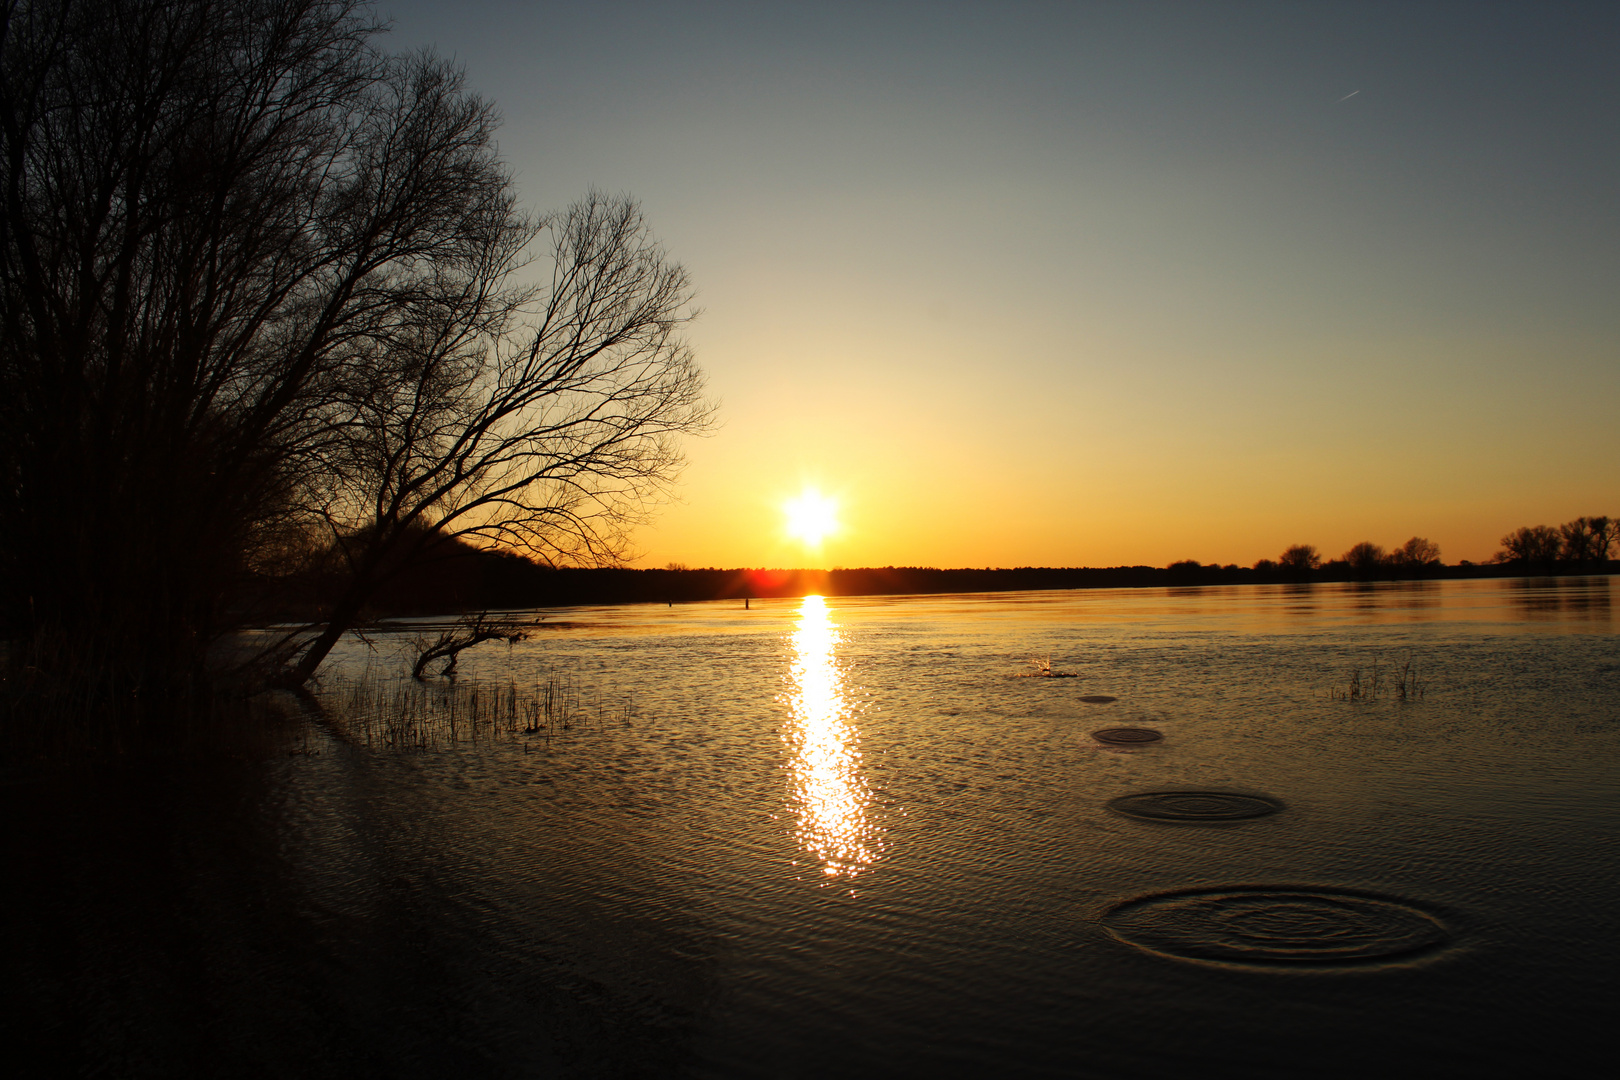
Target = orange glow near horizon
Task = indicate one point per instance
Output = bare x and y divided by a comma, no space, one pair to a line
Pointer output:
829,794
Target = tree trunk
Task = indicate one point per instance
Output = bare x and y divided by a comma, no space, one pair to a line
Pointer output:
343,617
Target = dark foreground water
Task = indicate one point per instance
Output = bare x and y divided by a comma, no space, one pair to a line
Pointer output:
854,838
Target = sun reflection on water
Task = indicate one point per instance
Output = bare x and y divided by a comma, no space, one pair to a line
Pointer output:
829,794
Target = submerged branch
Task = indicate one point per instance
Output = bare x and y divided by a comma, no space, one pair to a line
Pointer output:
468,631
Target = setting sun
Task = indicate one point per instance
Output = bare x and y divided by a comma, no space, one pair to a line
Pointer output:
811,517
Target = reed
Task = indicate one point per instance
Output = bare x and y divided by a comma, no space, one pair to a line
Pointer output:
410,715
1407,685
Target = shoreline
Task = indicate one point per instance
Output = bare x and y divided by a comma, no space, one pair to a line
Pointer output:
538,587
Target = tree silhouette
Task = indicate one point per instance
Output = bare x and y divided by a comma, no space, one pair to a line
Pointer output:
549,439
1416,553
1587,541
256,282
1300,558
1536,545
1365,557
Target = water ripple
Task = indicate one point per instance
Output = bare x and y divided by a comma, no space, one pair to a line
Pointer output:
1270,926
1127,736
1197,807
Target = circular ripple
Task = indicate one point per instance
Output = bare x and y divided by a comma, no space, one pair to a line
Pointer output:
1277,927
1127,736
1099,699
1194,806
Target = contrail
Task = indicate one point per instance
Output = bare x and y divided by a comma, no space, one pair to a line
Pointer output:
1348,96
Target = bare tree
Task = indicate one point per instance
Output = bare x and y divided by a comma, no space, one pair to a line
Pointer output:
549,430
1605,534
1538,545
1588,540
1416,553
1575,541
1300,558
470,630
258,295
197,206
1365,557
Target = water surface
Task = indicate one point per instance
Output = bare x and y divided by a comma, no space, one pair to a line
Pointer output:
854,836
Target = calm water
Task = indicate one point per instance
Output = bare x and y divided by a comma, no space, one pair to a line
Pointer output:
853,837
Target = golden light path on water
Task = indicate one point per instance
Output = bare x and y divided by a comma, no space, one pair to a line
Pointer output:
829,794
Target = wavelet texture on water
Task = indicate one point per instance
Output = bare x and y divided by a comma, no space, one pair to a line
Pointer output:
844,837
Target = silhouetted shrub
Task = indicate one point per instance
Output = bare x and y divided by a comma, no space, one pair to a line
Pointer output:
1415,554
1365,558
1300,557
1532,545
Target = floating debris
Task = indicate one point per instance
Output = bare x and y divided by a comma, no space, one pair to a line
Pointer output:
1098,699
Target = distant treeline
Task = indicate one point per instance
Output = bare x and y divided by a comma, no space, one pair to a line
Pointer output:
474,579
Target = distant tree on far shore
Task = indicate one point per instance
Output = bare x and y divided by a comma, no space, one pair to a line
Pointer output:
1416,553
1365,557
1584,542
1531,544
1300,557
1588,540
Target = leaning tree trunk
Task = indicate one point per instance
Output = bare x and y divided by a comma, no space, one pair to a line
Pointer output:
342,618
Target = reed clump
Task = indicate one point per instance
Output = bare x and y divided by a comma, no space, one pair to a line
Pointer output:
1402,683
408,714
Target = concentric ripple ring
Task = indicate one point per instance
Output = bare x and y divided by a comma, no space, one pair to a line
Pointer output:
1278,927
1196,807
1127,736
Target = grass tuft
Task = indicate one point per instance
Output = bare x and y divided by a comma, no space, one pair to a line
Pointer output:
1407,685
419,716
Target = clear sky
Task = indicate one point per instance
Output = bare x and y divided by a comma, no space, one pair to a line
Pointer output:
1090,284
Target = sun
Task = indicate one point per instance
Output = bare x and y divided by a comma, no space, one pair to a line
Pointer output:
811,517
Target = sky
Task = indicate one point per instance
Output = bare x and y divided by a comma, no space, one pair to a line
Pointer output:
1091,284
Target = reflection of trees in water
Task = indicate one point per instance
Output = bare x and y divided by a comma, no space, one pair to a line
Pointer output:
1394,596
1540,598
1305,599
1364,596
1300,598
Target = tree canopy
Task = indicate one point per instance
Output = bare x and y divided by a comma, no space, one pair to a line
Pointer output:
269,304
1584,542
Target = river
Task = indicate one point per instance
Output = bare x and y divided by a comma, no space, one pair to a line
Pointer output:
1254,830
